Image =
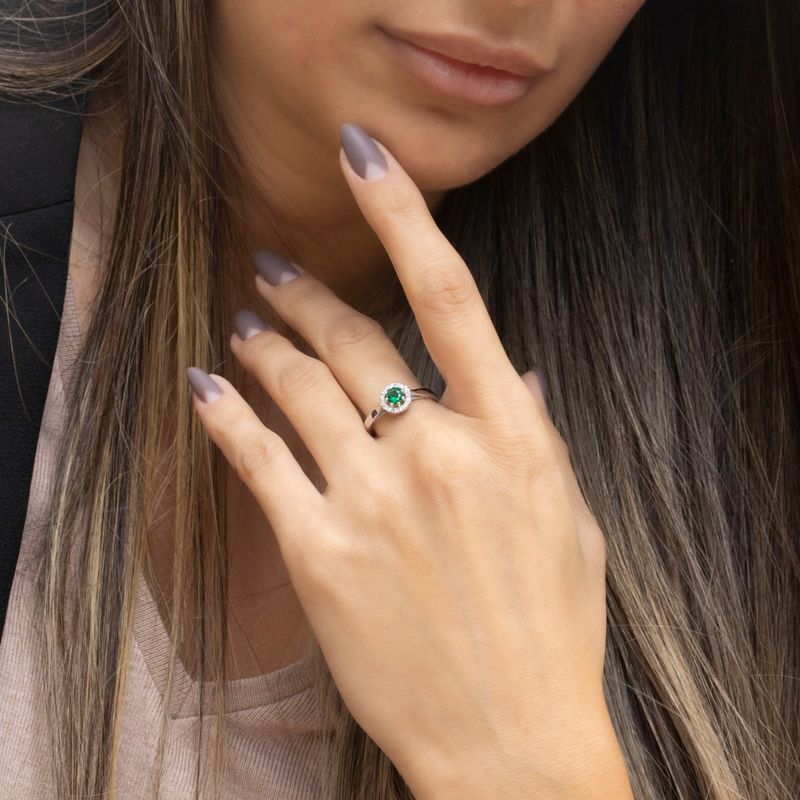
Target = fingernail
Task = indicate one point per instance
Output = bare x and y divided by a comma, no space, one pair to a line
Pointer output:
273,268
363,154
203,385
248,323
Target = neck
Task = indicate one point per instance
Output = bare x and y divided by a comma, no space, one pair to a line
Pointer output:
287,193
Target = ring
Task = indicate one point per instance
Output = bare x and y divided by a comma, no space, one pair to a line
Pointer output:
395,399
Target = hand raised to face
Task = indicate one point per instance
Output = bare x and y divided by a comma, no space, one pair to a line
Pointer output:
451,570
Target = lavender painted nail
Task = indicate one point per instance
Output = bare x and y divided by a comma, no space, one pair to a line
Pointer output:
362,152
203,385
248,323
274,269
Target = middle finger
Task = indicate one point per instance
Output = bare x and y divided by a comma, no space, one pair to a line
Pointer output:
353,345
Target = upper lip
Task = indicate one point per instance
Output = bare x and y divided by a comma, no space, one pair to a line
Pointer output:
472,50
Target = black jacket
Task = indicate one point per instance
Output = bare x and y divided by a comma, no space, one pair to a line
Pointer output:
38,158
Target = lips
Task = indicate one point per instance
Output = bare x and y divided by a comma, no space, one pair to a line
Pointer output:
481,85
474,51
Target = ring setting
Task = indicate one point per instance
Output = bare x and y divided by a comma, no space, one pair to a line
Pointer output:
395,398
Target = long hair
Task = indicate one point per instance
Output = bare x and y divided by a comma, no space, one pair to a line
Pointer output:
644,250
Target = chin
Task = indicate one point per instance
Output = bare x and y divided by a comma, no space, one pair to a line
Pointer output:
438,163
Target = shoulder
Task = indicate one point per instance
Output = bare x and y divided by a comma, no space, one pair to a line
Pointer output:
97,186
39,142
59,171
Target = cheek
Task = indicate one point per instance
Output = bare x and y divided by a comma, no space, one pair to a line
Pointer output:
584,40
282,42
600,24
595,28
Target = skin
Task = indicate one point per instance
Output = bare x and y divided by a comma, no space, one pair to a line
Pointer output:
286,76
289,74
283,98
427,581
397,549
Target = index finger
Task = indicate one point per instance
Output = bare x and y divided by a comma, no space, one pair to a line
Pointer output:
452,317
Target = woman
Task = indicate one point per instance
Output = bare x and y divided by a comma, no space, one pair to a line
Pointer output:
270,590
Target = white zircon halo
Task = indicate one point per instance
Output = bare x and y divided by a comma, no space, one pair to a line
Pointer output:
395,398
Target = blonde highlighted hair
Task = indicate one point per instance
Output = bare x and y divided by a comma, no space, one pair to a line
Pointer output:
643,250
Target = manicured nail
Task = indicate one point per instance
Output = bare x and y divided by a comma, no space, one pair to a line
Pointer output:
248,323
203,385
273,268
363,154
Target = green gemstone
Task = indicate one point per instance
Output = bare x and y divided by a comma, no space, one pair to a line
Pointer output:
395,396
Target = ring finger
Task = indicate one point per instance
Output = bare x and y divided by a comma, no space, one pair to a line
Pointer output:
354,346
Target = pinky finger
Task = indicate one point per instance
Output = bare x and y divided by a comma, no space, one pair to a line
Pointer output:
288,498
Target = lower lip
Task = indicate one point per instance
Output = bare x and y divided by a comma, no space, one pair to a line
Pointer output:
482,86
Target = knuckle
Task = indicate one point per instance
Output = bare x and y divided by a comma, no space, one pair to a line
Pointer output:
350,331
325,567
260,349
398,202
256,456
300,294
531,448
443,453
444,288
226,424
298,376
534,444
536,449
447,471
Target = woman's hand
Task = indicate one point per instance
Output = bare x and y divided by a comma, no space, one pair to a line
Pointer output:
451,571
